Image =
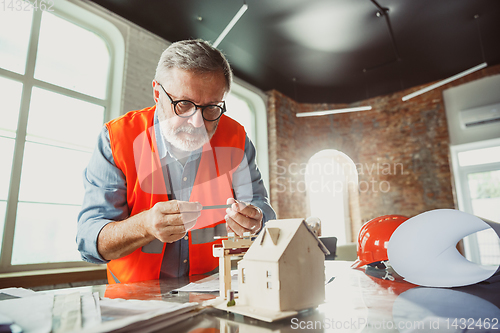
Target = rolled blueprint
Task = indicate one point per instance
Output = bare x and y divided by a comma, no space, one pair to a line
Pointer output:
423,249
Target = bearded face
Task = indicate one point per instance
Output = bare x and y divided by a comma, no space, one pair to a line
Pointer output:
185,136
188,134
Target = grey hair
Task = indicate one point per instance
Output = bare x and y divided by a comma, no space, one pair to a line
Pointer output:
197,56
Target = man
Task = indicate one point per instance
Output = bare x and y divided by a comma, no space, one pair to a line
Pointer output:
154,169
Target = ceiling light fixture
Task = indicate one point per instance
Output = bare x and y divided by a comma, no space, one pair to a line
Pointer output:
445,81
327,112
231,24
459,75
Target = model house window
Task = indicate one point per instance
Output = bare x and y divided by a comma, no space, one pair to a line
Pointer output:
476,169
55,95
332,187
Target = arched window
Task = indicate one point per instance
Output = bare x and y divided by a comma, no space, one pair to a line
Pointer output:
60,80
332,185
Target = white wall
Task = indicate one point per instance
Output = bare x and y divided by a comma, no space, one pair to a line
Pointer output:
485,91
143,52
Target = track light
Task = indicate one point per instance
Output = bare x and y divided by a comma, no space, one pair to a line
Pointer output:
231,24
327,112
445,81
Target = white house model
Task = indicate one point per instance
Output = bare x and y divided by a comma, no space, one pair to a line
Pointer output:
282,272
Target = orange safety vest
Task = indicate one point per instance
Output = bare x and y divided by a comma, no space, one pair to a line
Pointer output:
133,144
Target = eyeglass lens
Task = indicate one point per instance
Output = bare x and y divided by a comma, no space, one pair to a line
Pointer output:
188,108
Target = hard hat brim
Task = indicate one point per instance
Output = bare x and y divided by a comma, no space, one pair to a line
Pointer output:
358,263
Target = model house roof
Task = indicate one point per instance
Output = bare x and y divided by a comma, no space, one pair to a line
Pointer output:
274,239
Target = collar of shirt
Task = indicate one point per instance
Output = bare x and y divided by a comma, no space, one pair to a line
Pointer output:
164,146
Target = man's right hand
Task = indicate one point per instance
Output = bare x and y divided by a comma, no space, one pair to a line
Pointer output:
169,221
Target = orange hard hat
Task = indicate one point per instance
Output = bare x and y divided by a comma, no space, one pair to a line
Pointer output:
373,239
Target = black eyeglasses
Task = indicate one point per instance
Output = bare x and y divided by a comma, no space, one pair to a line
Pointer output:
186,109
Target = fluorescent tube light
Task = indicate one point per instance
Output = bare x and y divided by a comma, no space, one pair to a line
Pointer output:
445,81
324,113
231,24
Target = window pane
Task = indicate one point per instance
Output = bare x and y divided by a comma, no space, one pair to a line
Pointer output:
485,194
327,202
71,57
330,176
7,154
10,101
238,109
484,190
489,249
45,233
63,121
15,27
479,156
52,174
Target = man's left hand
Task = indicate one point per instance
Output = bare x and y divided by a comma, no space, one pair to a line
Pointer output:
243,217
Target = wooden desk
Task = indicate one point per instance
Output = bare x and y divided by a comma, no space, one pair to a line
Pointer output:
355,302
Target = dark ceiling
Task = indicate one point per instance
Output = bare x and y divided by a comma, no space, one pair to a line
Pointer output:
332,51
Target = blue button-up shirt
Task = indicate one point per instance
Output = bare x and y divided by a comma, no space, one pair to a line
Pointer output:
105,198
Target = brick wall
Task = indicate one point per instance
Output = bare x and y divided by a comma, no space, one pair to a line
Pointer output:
401,150
143,50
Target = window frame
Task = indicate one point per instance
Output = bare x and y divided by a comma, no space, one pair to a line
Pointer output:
460,177
83,16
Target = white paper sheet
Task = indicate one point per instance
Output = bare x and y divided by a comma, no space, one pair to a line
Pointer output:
66,313
36,312
423,249
32,313
121,315
91,310
17,292
210,284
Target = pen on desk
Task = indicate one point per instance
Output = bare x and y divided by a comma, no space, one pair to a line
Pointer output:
216,207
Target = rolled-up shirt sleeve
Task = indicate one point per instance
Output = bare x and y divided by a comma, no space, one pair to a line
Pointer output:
105,199
248,184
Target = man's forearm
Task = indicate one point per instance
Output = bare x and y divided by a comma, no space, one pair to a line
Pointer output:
118,239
